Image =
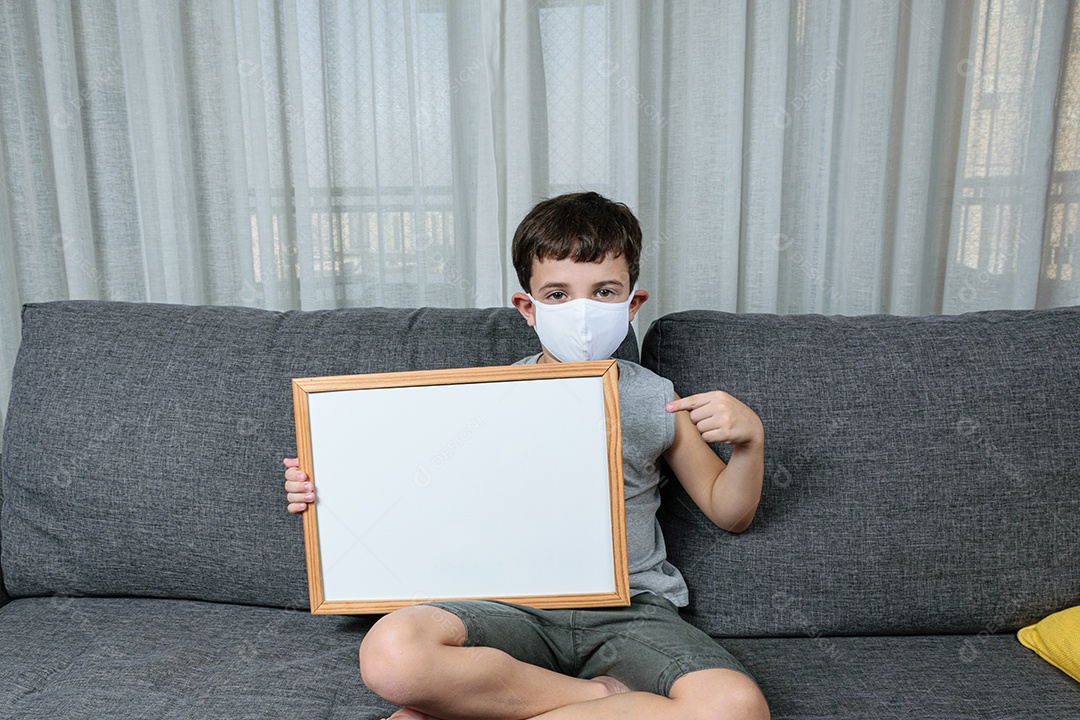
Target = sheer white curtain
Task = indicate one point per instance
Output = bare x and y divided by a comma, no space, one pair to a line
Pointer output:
838,157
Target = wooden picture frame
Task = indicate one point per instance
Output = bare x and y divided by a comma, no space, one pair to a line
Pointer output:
500,483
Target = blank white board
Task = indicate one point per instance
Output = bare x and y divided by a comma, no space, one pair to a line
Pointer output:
498,483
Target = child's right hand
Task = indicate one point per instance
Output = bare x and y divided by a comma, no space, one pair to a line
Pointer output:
299,491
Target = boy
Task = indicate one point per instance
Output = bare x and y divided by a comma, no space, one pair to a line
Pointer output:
577,257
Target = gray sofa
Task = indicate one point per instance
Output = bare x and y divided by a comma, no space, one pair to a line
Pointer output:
922,489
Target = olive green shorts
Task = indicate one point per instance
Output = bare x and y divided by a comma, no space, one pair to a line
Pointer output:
646,645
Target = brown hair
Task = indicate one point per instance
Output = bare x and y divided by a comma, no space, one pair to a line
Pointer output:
586,227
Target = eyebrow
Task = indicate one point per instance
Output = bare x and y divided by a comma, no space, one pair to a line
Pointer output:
547,287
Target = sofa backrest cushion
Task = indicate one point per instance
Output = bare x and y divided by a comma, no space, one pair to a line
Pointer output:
143,445
921,474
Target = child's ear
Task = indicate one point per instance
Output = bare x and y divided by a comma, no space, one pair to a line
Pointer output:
636,300
524,306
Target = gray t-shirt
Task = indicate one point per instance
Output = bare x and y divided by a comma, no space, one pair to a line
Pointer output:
647,431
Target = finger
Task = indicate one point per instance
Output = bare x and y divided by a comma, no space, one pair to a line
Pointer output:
300,497
296,508
290,462
296,475
713,418
716,436
301,486
687,403
706,423
701,415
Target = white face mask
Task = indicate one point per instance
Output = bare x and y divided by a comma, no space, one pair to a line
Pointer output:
582,329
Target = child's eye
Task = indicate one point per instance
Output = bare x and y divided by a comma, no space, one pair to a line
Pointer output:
557,295
605,292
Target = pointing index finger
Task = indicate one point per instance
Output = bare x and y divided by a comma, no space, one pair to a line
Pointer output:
687,403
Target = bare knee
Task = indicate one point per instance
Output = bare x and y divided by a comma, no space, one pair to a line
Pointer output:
745,703
720,695
398,651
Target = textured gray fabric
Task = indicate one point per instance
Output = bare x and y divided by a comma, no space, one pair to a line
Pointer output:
93,658
648,430
143,445
946,677
4,597
922,475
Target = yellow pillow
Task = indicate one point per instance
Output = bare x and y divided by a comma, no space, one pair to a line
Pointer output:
1056,638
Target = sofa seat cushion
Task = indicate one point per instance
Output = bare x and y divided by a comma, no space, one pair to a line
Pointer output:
78,658
96,657
942,677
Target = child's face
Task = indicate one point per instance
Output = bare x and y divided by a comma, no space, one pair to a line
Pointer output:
559,281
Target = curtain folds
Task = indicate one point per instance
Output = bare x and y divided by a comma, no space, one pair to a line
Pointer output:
837,156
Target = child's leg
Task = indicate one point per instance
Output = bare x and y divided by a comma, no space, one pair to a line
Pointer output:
682,672
414,658
701,695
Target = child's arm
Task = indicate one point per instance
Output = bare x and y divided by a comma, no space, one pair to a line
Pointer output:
727,494
298,491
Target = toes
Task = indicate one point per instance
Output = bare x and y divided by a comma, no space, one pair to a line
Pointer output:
614,686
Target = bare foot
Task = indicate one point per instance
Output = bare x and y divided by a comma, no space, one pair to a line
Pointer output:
613,686
610,685
410,714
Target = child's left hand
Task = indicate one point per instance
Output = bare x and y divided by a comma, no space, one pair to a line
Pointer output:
719,417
